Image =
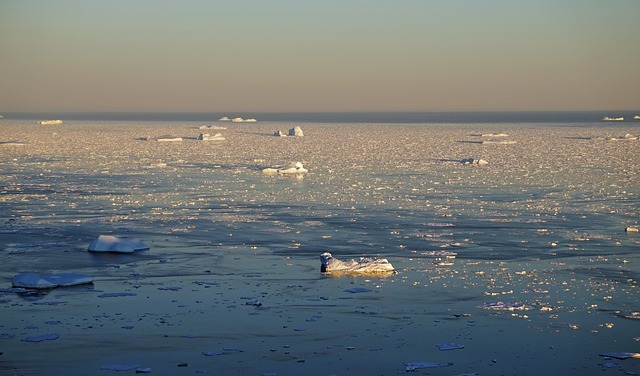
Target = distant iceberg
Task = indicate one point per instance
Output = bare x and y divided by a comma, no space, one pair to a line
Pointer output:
49,281
224,118
608,118
329,264
50,122
165,138
208,137
110,243
296,131
479,162
237,120
295,168
637,117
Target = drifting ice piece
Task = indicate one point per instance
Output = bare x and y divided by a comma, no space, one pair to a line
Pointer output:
296,131
49,281
110,243
472,161
50,122
365,265
208,137
293,168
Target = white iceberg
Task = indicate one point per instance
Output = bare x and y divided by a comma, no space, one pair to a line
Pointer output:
49,281
472,161
296,131
224,118
168,139
295,168
110,243
237,120
364,265
208,137
279,134
50,122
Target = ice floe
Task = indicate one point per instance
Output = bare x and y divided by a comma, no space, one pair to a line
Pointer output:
208,137
50,122
40,338
472,161
364,265
49,281
444,346
295,168
296,131
412,366
110,243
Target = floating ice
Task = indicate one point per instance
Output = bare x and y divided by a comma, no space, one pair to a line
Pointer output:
110,243
357,290
479,162
44,337
417,365
295,168
365,265
48,281
511,306
119,367
296,131
621,355
208,137
116,294
631,229
50,122
449,346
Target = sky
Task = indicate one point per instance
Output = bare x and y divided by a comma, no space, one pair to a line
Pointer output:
330,55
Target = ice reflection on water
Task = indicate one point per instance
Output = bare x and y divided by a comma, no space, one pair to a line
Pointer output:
539,226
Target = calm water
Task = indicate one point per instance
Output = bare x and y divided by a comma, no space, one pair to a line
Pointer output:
541,228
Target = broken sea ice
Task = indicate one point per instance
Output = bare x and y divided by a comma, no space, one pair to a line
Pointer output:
49,281
412,366
110,243
44,337
449,346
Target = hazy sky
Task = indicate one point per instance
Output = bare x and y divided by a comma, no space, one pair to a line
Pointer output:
340,55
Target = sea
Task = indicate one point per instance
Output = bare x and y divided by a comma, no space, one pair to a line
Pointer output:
527,264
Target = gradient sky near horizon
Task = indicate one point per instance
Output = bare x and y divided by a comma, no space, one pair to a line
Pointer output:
330,55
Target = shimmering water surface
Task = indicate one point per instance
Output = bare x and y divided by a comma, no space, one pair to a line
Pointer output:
544,279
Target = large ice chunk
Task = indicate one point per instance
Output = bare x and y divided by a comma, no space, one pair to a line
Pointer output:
364,265
110,243
49,281
295,168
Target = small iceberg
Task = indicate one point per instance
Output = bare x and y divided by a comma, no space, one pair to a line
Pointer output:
364,265
208,137
296,131
609,118
12,143
110,243
418,365
224,118
494,135
637,117
295,168
44,337
237,120
165,138
50,122
211,127
479,162
49,281
279,134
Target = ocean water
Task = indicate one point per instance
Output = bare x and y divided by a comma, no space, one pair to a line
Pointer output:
525,261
